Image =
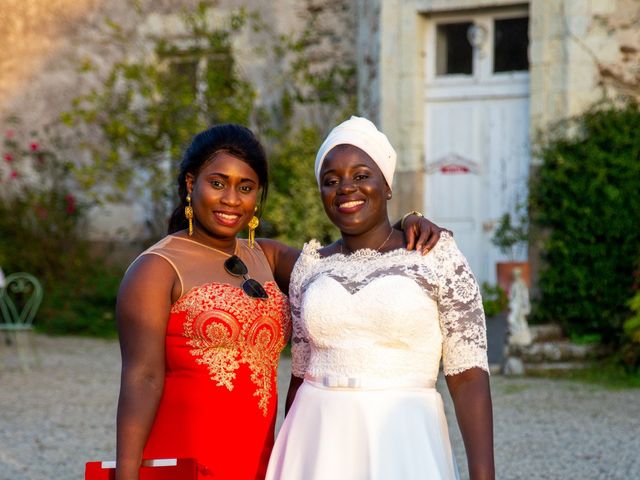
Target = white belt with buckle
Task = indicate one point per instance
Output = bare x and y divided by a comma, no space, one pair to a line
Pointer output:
339,381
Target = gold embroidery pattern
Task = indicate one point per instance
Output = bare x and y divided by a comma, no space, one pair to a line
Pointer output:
226,328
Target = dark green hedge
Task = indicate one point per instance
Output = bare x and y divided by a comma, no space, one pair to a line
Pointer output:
585,198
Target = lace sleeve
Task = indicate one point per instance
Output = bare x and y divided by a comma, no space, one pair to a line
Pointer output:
299,342
461,313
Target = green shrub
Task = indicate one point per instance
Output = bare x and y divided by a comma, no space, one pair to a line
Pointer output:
82,307
630,351
294,211
585,200
42,226
494,299
512,234
40,213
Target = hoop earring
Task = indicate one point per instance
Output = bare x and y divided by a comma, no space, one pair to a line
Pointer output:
188,212
253,224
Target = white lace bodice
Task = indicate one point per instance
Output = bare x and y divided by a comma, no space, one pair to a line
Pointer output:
386,315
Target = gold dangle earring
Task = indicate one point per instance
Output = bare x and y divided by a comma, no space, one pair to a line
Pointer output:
253,224
188,212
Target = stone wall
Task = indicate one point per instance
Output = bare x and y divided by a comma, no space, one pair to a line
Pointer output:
581,52
45,42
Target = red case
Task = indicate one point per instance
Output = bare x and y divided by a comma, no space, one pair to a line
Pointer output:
159,469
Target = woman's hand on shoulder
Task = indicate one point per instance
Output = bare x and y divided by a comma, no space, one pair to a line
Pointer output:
421,234
281,258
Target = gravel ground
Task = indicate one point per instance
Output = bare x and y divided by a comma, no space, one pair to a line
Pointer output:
62,413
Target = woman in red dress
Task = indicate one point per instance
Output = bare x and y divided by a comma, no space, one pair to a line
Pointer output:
202,319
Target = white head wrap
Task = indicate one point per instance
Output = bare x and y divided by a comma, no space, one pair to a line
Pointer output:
363,134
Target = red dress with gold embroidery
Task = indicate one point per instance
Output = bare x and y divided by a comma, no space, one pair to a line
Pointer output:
222,348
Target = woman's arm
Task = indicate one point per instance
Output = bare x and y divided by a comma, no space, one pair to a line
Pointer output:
471,396
294,384
281,258
142,311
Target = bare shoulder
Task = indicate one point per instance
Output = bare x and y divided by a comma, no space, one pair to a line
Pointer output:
149,275
278,251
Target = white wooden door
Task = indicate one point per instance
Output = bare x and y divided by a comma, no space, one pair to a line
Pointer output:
476,127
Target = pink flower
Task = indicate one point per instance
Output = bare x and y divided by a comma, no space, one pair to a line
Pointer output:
10,134
8,157
71,203
34,146
14,174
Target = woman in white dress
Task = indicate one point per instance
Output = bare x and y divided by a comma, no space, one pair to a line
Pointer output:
371,323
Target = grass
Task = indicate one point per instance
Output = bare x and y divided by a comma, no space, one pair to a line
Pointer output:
510,389
605,373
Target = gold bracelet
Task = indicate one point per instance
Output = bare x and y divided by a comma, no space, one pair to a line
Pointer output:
404,217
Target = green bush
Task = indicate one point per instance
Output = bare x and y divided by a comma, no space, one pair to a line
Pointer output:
494,299
584,198
40,212
42,225
630,351
294,211
85,306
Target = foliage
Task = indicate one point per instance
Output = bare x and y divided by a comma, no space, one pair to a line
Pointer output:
83,305
585,199
630,352
494,299
319,64
319,76
136,124
607,373
41,232
40,215
294,211
511,236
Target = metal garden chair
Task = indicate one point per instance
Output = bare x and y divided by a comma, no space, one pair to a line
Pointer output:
20,299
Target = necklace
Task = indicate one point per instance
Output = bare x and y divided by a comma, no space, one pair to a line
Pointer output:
377,249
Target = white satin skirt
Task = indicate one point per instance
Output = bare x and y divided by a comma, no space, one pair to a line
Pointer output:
363,434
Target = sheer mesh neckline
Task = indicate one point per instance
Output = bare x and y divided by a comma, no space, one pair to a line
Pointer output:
235,248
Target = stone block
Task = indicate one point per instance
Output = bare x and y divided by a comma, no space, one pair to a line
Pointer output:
602,7
574,8
553,351
554,19
513,367
544,333
536,52
578,25
552,51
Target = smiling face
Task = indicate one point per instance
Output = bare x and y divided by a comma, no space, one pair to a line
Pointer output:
353,189
224,195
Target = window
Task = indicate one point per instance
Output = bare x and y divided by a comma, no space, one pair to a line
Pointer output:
454,54
510,45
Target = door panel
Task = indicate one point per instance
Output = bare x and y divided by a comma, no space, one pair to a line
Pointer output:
476,147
